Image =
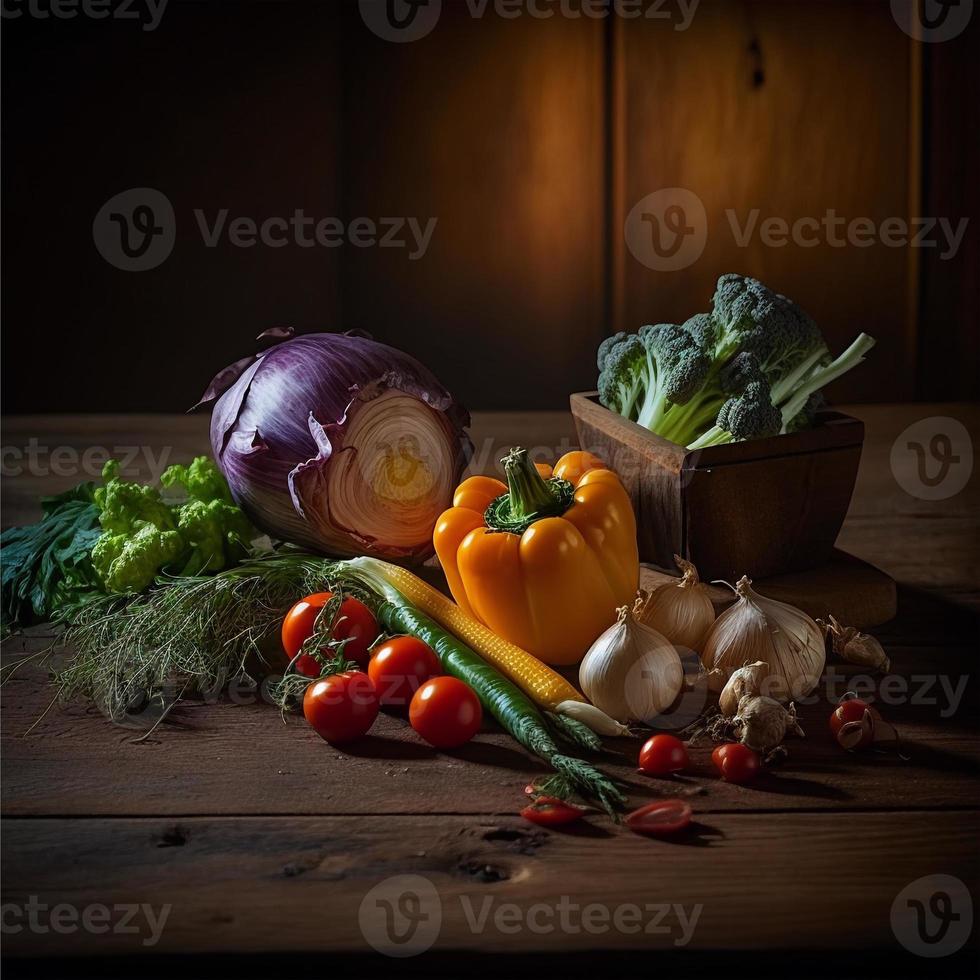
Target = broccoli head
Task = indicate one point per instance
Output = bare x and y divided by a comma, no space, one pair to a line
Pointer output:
647,372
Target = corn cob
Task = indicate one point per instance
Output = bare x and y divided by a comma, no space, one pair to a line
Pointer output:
542,684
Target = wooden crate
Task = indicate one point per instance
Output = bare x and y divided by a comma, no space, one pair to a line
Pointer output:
760,508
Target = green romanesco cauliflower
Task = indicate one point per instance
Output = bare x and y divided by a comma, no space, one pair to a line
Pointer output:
143,535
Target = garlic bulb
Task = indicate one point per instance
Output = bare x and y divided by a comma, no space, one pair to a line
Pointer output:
756,628
762,723
746,680
855,647
682,611
631,672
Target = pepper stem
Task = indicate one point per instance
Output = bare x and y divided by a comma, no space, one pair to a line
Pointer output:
527,492
529,497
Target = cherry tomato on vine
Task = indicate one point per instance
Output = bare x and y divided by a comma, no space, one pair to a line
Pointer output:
341,707
660,819
550,811
736,762
851,711
663,755
355,623
400,666
445,712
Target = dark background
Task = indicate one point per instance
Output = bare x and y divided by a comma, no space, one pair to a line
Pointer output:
528,139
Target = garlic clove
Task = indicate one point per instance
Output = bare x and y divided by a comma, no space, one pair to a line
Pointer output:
746,680
762,722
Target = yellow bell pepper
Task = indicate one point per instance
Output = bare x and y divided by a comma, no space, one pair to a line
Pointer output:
545,560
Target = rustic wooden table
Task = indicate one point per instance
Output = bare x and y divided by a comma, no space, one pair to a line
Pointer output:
232,832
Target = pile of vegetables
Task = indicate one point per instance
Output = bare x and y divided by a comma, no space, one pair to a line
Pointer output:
347,452
752,367
117,538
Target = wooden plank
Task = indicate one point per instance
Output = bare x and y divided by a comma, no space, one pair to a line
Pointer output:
509,295
237,756
297,884
748,108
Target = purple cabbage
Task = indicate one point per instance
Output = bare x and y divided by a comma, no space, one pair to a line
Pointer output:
340,444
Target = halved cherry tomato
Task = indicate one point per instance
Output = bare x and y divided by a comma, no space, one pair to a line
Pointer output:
445,712
663,755
400,666
355,623
736,762
341,707
550,811
853,711
660,819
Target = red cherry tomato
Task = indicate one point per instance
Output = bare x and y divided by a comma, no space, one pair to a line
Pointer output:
663,755
355,623
400,666
660,819
737,763
341,707
852,712
550,811
445,712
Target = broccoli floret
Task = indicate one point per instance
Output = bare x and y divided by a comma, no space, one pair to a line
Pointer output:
606,346
748,415
805,417
649,371
702,330
623,376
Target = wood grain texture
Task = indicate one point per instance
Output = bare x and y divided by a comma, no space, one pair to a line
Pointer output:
296,884
493,126
791,110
